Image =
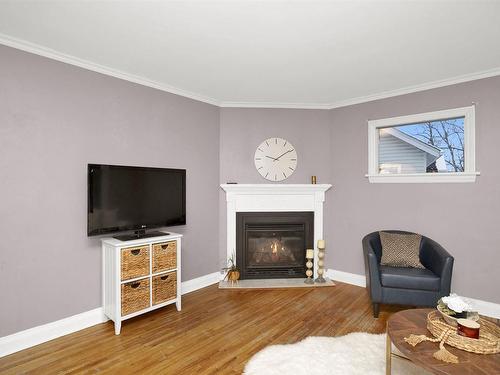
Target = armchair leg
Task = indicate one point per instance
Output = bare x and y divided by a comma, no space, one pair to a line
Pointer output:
376,309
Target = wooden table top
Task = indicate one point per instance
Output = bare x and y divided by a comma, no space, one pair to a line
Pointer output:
404,323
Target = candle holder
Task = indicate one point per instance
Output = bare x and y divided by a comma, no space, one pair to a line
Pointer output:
309,265
321,262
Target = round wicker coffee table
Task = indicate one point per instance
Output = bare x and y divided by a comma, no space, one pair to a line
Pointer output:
404,323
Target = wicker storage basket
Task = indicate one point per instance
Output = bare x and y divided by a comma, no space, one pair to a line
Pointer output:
134,262
489,335
164,287
135,296
164,256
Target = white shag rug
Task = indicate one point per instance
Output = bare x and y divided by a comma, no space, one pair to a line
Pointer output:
353,354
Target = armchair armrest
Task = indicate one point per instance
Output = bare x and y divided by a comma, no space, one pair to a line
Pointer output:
372,271
434,257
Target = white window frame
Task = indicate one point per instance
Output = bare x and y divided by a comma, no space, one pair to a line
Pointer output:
469,174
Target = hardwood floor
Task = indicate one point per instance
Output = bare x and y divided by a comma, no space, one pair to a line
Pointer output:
216,332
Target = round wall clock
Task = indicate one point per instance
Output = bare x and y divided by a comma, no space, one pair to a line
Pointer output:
275,159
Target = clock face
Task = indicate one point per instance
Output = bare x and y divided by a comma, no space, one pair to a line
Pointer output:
275,159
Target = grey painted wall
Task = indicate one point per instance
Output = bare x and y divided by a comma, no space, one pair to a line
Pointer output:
462,217
243,129
56,118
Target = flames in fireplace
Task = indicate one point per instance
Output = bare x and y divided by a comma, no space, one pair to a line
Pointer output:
273,251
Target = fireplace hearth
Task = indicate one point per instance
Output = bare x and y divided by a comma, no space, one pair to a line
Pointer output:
273,244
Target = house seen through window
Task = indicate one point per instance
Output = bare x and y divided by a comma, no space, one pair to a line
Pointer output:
425,147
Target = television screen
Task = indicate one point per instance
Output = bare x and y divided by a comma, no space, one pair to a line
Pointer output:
134,198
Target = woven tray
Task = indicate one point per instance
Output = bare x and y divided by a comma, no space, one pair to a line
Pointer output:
489,335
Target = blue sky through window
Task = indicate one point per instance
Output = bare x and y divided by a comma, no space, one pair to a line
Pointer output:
447,135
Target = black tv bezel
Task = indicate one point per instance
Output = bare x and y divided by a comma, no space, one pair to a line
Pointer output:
138,227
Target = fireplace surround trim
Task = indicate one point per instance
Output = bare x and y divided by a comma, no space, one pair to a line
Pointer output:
274,198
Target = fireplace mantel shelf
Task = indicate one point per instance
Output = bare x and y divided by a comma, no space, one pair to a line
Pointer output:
274,198
275,188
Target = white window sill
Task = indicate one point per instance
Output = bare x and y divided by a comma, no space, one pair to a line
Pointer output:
423,177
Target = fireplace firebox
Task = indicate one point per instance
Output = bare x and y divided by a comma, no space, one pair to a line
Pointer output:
273,244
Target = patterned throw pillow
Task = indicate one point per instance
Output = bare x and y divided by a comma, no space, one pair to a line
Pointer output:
400,250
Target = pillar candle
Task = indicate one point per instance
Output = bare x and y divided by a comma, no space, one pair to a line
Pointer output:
321,244
309,253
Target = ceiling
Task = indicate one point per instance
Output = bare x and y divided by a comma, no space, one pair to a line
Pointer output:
310,54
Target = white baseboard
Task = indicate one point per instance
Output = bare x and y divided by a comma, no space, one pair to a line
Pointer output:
40,334
37,335
200,282
346,277
483,307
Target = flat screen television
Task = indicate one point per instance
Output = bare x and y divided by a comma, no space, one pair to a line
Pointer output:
122,198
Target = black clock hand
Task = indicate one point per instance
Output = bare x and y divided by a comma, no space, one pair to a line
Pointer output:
283,154
271,157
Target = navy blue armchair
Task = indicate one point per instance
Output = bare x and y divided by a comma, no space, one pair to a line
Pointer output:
407,286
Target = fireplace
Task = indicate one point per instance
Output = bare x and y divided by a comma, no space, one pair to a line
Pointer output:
273,244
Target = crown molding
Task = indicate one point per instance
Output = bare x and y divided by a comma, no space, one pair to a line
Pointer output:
417,88
275,105
369,98
36,49
72,60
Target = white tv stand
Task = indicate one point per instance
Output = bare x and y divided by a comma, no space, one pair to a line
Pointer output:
140,275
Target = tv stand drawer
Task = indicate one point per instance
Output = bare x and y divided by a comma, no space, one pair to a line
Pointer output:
164,287
135,296
134,262
164,256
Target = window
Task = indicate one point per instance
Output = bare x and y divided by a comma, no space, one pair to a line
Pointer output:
427,147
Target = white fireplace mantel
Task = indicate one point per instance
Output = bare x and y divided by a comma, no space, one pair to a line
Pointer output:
274,198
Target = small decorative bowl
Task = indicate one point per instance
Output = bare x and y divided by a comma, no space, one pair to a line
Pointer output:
453,321
468,328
